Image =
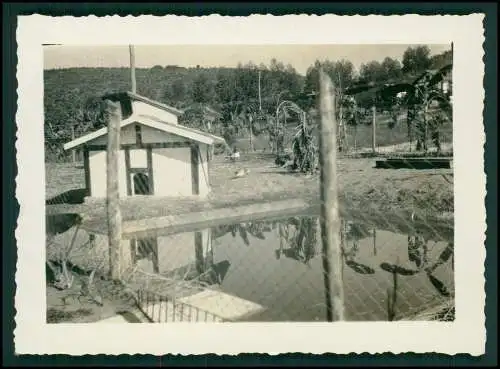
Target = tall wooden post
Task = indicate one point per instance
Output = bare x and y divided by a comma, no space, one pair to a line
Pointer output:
260,97
330,221
374,129
132,68
113,195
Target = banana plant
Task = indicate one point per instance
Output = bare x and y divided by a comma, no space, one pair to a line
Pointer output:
427,106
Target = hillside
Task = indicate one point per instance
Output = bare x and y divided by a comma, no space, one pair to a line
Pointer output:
69,90
73,106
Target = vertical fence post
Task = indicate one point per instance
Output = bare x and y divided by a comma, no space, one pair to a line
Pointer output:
374,128
113,195
330,221
73,152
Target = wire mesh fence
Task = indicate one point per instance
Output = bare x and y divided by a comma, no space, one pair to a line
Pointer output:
395,236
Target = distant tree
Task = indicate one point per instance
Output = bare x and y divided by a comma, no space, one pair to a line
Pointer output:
202,90
175,91
276,66
392,69
341,72
438,61
225,87
157,68
416,59
372,72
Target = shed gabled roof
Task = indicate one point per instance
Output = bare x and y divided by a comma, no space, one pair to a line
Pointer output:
175,129
128,96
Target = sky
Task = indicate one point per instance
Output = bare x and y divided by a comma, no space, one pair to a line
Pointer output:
146,56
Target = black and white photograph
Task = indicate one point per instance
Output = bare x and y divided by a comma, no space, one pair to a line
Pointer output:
301,183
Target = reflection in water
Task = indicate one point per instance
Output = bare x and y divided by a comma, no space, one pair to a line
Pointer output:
298,239
353,233
418,254
385,275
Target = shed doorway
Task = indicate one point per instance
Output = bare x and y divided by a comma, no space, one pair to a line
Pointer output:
141,184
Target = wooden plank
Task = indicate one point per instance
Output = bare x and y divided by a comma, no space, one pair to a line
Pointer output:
198,220
415,163
128,172
139,170
397,221
86,166
150,171
154,145
195,177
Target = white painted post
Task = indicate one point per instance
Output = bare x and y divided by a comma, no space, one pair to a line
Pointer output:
330,220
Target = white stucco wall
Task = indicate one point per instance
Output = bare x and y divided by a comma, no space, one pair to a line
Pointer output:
171,166
139,107
98,182
172,171
138,158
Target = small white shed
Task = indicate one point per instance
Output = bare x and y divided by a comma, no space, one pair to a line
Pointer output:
157,155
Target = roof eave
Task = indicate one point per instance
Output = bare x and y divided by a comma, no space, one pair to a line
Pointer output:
157,104
204,138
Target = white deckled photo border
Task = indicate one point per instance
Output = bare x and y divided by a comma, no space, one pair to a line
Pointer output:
467,334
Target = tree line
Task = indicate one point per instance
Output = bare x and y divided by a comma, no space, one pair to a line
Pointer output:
73,106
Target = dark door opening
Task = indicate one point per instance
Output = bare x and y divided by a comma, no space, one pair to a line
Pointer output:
141,184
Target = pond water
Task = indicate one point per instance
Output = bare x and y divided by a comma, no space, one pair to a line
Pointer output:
277,264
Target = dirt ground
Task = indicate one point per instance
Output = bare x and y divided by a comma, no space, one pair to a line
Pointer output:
428,193
71,305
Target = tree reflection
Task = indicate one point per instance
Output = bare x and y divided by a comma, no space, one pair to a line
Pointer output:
418,255
255,229
298,238
350,235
